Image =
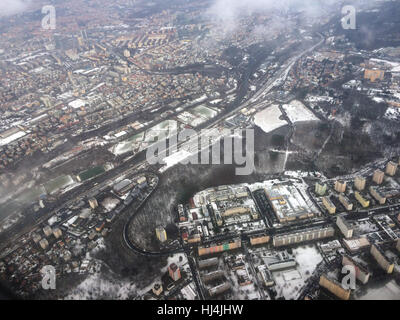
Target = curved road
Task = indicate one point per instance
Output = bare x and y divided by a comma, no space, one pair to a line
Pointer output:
131,245
254,100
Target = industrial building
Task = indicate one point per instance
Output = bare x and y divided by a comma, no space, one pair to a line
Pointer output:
359,183
344,227
289,203
378,176
334,287
384,262
329,205
340,186
281,265
320,189
391,168
362,273
225,193
361,200
142,182
123,186
345,202
302,236
377,195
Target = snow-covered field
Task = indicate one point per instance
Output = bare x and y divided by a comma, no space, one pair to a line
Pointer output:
96,286
268,119
297,112
290,282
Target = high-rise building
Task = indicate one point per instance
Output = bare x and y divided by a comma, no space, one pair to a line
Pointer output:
174,272
359,183
161,234
47,231
384,262
377,195
345,202
391,168
302,236
57,233
320,189
329,205
361,200
378,176
44,243
340,186
221,288
93,203
36,237
362,273
374,74
157,289
344,227
80,41
334,287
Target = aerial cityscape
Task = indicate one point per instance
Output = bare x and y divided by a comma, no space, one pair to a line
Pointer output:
200,150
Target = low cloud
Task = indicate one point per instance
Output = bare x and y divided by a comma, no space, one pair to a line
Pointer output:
229,12
11,7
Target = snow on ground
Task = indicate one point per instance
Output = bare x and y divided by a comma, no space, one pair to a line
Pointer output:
390,291
96,286
297,111
110,204
175,259
290,282
12,138
268,119
395,65
392,113
10,221
175,158
102,283
378,99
